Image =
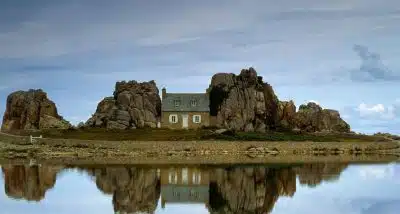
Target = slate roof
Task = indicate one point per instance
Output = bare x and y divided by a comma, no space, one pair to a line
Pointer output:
185,99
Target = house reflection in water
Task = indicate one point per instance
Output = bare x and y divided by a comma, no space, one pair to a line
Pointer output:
184,185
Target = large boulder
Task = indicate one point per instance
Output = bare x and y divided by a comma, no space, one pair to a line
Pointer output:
287,114
31,110
243,102
134,105
312,118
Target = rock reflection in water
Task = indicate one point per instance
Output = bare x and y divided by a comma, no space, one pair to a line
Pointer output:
250,189
133,189
257,189
313,174
28,182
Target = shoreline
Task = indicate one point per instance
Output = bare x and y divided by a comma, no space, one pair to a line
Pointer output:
195,161
70,151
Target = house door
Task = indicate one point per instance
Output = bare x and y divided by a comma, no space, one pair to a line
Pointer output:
185,121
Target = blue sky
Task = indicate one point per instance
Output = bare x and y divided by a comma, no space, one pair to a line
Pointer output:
360,189
343,54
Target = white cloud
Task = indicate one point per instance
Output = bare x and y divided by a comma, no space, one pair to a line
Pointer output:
377,111
372,118
364,109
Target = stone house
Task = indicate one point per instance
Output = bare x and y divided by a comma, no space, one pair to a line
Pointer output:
184,110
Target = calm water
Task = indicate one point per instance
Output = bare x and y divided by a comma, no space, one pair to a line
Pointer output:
303,188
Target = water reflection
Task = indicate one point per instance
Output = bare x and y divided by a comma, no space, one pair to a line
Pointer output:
184,185
257,189
29,182
133,189
251,190
314,174
230,189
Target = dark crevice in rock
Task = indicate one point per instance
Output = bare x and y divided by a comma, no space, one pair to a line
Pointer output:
217,97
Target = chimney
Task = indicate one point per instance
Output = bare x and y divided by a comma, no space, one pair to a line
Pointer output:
164,93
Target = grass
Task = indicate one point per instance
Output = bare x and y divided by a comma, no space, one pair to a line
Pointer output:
388,135
182,146
196,135
290,136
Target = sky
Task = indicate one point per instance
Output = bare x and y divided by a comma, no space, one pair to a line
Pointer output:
342,54
360,189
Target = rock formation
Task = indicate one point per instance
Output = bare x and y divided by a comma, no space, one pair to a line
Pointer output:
31,110
133,189
312,118
29,182
243,102
287,113
134,105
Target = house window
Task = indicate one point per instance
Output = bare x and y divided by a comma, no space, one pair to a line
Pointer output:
193,102
196,119
173,118
177,103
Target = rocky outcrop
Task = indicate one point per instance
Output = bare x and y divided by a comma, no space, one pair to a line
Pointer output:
31,110
243,102
103,113
250,190
133,189
287,113
134,105
312,118
29,182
